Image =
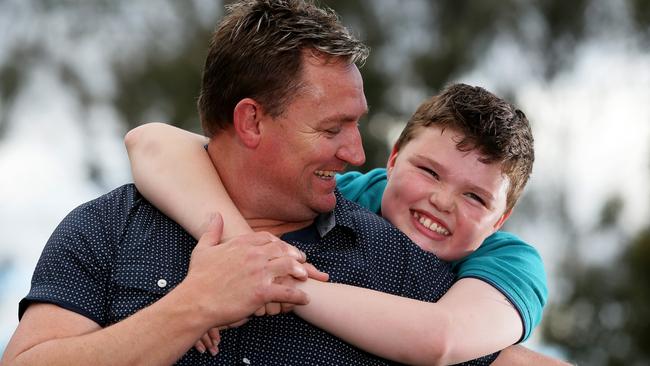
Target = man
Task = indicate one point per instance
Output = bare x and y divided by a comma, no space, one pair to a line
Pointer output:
120,283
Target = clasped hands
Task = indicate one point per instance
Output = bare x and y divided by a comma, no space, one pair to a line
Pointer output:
252,274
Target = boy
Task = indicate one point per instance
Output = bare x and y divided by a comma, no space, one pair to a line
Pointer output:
452,180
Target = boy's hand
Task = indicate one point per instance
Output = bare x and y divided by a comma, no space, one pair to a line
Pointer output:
209,342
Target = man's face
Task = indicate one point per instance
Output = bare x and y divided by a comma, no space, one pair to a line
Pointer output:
316,137
445,200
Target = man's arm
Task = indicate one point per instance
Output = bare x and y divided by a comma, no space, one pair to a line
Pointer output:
224,284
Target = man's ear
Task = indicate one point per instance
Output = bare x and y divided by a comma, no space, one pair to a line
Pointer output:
246,120
391,161
502,220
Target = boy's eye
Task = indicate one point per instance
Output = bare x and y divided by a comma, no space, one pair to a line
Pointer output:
429,171
476,198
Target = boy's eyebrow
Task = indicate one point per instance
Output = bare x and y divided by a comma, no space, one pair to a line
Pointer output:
440,168
485,193
437,166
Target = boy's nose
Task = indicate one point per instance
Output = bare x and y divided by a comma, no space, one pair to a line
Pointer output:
442,200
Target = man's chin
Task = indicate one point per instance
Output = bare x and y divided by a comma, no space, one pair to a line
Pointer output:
325,204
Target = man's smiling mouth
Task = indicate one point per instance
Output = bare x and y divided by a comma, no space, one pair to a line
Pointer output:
326,174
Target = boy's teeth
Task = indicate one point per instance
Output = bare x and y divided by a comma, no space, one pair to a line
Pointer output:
325,173
426,222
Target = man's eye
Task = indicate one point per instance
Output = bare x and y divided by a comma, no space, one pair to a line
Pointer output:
333,131
476,198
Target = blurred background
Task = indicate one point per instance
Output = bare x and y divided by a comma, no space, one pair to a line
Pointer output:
76,75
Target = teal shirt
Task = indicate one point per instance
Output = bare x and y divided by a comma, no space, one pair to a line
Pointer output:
503,260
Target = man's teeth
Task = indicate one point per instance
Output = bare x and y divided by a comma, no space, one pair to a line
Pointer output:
325,173
426,222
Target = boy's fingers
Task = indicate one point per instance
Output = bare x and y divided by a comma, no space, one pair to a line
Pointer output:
206,340
215,336
199,346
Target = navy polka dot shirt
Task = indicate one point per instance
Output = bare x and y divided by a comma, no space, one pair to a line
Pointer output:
117,254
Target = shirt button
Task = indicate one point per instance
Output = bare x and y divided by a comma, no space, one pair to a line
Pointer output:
246,361
162,283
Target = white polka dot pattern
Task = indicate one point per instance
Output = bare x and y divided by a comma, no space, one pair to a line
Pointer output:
117,254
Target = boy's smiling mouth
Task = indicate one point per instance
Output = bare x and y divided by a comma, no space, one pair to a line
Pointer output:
431,225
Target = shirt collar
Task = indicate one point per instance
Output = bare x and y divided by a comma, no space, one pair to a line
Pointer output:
325,222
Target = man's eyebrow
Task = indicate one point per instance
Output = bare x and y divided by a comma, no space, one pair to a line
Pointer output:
342,117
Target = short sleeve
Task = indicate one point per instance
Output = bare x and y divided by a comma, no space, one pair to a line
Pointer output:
363,189
513,267
73,271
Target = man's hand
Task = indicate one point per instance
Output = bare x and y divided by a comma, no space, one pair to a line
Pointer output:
229,281
210,340
274,308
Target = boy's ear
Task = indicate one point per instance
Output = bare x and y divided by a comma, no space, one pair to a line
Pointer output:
502,220
391,160
246,121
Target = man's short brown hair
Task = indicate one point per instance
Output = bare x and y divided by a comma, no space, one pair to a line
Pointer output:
257,50
496,129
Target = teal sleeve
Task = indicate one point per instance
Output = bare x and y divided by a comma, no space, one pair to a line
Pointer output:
513,267
364,189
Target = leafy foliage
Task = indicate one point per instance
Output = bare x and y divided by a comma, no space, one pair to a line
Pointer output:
606,318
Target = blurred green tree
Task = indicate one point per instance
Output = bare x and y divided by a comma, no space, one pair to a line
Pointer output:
605,320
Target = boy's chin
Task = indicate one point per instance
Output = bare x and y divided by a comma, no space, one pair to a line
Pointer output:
424,243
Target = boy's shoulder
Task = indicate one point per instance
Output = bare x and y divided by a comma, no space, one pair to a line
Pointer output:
365,189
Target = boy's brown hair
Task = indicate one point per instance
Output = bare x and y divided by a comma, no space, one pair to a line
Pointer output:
257,52
496,129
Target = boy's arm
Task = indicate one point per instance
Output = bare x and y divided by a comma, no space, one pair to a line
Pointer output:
167,164
472,320
522,356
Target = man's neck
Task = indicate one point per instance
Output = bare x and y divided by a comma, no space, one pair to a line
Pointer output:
277,228
227,156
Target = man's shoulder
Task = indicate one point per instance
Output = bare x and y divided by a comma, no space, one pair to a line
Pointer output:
120,200
112,211
359,218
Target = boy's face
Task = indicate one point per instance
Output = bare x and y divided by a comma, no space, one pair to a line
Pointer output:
445,200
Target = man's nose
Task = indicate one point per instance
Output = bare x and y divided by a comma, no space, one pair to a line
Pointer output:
351,151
